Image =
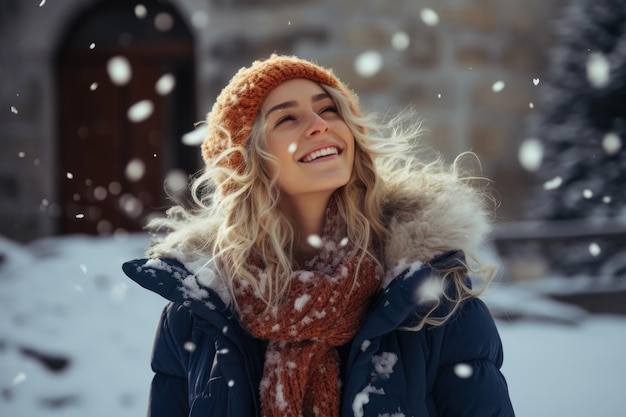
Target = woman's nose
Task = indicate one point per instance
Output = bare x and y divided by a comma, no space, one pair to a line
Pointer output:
317,125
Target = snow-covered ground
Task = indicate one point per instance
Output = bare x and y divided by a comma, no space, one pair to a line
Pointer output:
76,334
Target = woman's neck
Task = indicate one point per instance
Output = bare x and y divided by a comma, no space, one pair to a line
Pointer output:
307,214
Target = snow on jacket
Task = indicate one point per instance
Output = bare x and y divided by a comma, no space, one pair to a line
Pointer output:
206,364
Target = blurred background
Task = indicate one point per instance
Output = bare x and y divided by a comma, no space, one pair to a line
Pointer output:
99,103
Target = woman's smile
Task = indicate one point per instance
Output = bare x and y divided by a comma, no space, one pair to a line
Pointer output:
313,145
321,154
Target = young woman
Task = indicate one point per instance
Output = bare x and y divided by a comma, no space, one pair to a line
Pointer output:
323,270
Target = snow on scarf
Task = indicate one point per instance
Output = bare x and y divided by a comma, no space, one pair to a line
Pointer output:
324,308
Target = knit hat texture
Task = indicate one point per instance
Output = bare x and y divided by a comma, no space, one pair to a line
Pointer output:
232,117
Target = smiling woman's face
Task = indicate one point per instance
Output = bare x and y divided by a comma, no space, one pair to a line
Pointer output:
313,144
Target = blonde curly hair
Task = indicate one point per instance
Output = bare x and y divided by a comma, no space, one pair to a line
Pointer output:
235,210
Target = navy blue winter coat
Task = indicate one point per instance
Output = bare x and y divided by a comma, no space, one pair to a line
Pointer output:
205,364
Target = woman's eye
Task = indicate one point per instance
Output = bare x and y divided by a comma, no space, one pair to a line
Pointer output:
284,119
332,109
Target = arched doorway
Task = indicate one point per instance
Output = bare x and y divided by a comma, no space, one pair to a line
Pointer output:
125,77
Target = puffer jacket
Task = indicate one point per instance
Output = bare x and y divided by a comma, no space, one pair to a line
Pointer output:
206,364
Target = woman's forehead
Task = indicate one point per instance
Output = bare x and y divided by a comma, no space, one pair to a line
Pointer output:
297,89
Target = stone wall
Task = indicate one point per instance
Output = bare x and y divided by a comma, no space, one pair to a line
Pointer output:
446,64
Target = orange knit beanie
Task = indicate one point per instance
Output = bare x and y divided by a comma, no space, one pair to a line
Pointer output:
235,110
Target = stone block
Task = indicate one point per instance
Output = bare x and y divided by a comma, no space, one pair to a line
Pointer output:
522,54
512,187
368,35
439,137
472,56
489,140
344,68
425,48
512,100
472,17
428,94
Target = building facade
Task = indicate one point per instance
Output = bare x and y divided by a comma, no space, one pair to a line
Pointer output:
74,158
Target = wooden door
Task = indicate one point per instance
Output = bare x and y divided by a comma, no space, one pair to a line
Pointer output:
111,168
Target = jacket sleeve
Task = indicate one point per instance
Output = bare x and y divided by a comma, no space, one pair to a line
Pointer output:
169,391
469,381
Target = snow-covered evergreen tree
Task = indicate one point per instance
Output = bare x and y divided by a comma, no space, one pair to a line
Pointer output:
581,123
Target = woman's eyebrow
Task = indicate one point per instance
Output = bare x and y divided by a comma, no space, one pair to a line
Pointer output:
281,106
319,97
293,103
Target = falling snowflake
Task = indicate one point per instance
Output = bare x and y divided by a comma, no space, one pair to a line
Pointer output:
119,70
176,181
200,19
104,227
400,41
135,170
100,193
196,136
19,378
140,11
13,110
140,111
368,64
531,154
80,216
498,86
163,21
611,143
92,45
115,187
165,84
553,184
587,193
189,346
594,249
93,86
429,17
292,148
598,70
536,81
131,205
315,241
463,370
430,290
69,175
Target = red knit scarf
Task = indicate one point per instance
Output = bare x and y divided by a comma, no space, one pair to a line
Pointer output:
324,308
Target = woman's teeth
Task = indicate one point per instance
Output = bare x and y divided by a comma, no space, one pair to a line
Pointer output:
319,153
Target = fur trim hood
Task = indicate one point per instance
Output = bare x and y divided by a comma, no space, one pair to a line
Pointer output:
426,213
429,214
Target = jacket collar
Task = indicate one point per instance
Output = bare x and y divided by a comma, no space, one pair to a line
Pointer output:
172,280
428,215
